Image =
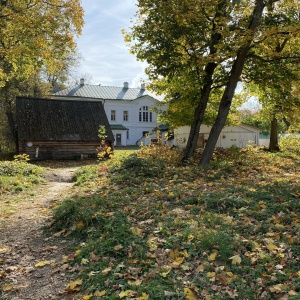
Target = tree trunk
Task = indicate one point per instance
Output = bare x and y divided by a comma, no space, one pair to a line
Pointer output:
199,114
205,91
235,74
273,145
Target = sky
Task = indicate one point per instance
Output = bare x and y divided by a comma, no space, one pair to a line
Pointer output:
106,57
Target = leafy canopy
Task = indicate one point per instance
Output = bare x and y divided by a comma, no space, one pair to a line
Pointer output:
36,33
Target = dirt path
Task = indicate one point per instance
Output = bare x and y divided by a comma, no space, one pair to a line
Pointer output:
23,245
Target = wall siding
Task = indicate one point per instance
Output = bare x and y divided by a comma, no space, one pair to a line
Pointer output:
52,150
135,127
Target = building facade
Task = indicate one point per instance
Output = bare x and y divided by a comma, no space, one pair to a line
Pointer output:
130,111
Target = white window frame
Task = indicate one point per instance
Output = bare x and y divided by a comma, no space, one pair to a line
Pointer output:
113,115
125,115
145,115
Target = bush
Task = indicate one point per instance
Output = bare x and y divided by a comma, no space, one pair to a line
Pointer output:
140,166
14,168
170,155
290,144
16,176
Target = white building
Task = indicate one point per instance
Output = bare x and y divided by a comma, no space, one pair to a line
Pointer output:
240,135
129,110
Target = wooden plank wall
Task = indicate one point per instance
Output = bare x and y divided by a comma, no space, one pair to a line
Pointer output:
52,150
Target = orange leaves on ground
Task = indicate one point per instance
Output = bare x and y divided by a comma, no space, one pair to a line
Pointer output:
7,287
79,225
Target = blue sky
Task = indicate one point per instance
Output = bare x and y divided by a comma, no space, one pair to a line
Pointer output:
106,57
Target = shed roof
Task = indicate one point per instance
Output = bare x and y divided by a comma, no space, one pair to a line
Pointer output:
60,120
106,92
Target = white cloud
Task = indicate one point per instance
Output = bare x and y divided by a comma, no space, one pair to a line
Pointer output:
106,57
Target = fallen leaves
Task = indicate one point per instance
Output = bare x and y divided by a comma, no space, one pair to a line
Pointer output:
127,293
213,256
169,235
7,287
106,271
43,263
99,293
236,259
191,293
73,286
118,247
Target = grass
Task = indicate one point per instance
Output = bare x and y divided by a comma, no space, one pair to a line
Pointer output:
153,230
148,228
16,177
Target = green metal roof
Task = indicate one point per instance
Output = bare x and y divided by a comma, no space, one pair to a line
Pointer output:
163,127
117,127
106,92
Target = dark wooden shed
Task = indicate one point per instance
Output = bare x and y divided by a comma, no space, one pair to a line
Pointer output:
59,129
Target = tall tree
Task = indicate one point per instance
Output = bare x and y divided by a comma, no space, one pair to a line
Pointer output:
276,74
234,77
209,42
36,33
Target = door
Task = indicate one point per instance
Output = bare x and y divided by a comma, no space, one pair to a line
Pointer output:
118,139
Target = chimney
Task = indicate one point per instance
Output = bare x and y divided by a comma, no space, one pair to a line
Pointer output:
125,85
143,86
82,82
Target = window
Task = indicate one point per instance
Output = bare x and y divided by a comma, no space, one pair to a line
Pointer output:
125,115
113,115
145,115
127,135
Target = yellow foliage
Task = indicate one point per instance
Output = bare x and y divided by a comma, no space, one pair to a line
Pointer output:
127,293
236,259
190,294
43,263
74,286
99,294
143,297
31,34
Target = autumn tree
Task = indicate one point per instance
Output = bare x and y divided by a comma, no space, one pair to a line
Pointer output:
198,46
37,46
35,34
275,76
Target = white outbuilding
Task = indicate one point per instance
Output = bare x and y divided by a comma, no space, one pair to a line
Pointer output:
240,136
